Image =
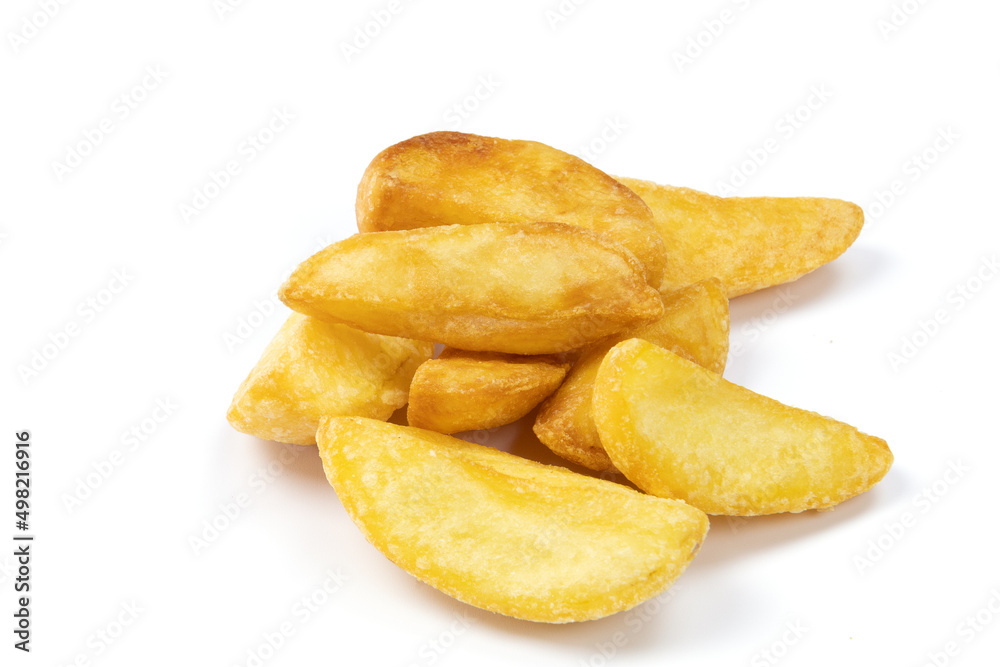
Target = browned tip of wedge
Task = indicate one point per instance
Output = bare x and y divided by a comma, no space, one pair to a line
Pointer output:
502,533
532,288
447,178
468,391
695,325
677,430
747,242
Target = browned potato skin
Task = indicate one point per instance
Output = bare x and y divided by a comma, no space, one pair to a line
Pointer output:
503,533
467,391
695,325
312,369
536,288
450,178
747,242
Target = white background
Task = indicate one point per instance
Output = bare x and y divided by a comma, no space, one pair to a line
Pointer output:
822,343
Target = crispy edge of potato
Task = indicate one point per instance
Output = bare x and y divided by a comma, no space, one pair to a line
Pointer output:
511,501
473,320
829,463
279,399
468,391
443,178
750,243
564,423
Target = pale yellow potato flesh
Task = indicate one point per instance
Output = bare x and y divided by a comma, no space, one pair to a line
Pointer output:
749,243
450,178
502,533
676,430
534,288
467,391
695,325
312,369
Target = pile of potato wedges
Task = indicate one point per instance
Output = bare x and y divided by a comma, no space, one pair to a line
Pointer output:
548,283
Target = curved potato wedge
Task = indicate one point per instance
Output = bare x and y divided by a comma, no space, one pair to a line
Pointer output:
466,391
450,178
677,430
519,288
313,368
747,242
695,325
500,532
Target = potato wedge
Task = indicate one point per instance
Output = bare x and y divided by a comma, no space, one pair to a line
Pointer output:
449,178
503,533
695,325
466,391
747,242
313,368
677,430
532,288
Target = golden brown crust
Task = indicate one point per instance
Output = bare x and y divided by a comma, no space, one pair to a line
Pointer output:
534,288
448,178
313,368
747,242
467,391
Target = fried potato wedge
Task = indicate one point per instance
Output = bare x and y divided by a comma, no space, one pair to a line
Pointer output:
449,178
533,288
747,242
695,325
466,391
313,368
503,533
677,430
